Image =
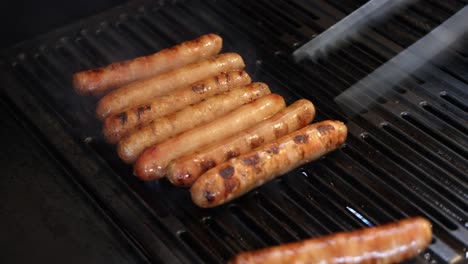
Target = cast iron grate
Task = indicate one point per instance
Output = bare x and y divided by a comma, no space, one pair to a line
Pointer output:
405,155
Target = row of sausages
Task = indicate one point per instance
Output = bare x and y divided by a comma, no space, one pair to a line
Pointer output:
194,116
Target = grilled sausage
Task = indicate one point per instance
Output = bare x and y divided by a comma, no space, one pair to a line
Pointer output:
185,170
101,80
390,243
141,92
116,126
242,174
153,161
131,146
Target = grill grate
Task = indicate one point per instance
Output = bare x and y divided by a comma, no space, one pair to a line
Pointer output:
405,156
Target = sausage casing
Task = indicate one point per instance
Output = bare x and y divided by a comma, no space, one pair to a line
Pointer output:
390,243
152,163
104,79
242,174
185,170
131,146
118,125
143,91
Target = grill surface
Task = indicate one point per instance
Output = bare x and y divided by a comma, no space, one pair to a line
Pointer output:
405,155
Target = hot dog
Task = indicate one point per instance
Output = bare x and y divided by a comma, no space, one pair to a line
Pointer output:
101,80
141,92
239,175
131,146
185,170
390,243
116,126
153,161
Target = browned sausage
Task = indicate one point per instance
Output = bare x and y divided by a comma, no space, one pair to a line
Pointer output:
104,79
390,243
116,126
239,175
153,162
141,92
131,146
185,170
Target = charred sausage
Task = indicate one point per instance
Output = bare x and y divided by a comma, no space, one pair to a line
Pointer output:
104,79
185,170
131,146
390,243
116,126
153,161
239,175
141,92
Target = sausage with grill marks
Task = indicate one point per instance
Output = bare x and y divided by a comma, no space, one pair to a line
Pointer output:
143,91
183,171
152,163
104,79
390,243
239,175
116,126
131,146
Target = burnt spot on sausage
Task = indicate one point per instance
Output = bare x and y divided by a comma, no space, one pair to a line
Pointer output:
325,129
209,196
304,118
281,130
142,109
274,149
232,154
123,118
227,172
256,141
207,164
252,160
199,88
299,139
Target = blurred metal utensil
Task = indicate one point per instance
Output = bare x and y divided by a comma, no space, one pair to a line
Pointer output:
376,84
347,26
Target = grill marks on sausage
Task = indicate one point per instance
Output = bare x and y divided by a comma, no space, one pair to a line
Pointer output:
281,129
230,185
304,117
200,88
209,196
301,139
227,172
325,129
142,109
252,160
274,149
256,141
232,154
123,118
207,164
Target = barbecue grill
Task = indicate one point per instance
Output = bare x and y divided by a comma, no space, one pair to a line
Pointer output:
405,155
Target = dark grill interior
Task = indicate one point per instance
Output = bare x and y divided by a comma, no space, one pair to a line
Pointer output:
405,155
